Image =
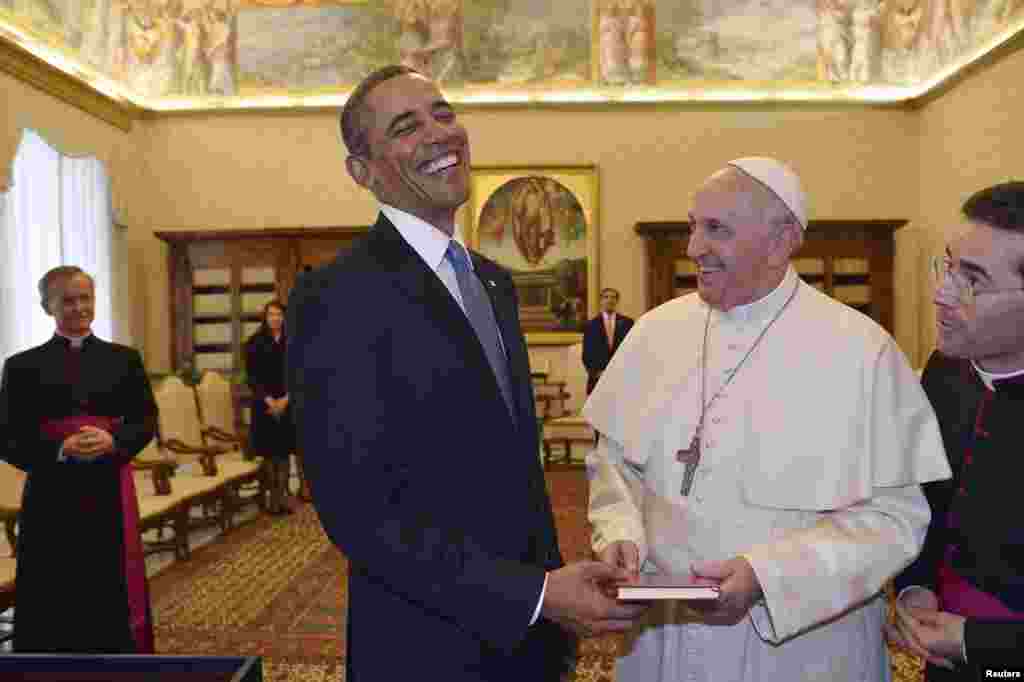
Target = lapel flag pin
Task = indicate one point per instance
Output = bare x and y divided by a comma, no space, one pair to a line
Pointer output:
491,282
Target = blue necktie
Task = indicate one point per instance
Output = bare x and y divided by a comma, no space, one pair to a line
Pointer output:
481,316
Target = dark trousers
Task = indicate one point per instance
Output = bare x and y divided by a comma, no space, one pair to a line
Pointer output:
279,472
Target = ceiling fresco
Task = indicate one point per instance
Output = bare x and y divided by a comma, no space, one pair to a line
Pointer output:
167,54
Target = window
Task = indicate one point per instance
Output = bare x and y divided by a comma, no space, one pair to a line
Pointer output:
57,212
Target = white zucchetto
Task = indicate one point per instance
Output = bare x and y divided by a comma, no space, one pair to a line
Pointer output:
780,181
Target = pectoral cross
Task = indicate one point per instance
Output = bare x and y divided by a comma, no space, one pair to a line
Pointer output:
691,458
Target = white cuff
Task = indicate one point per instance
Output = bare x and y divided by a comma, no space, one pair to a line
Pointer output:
761,619
908,588
540,602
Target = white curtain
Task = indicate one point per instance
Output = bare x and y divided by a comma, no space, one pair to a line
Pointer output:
31,244
56,212
87,232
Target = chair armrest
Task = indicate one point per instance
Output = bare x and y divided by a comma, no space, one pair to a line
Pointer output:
176,446
221,435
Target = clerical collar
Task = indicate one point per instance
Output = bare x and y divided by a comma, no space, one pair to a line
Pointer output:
995,380
763,308
73,341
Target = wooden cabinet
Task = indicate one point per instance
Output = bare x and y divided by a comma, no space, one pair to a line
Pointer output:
220,281
850,260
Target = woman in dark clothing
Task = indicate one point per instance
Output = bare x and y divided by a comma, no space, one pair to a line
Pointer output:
271,430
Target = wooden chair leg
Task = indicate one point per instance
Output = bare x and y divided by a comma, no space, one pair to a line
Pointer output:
180,527
12,536
227,512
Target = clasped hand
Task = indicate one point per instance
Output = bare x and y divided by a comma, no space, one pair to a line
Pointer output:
919,627
89,442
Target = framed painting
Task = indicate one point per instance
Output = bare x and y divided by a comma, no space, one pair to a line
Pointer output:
541,224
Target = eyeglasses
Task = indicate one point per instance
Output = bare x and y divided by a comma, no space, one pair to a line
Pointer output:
967,290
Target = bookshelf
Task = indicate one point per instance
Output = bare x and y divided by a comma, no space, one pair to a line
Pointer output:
221,279
850,260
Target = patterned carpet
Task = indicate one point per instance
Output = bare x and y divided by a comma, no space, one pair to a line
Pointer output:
275,588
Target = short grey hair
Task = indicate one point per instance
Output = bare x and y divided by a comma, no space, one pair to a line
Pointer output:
55,275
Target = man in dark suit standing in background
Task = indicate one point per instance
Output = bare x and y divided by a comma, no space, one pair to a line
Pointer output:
602,336
418,429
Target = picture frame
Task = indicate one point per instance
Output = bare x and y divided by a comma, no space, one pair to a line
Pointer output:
541,223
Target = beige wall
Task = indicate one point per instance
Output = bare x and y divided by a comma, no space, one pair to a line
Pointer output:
251,171
270,170
971,138
70,130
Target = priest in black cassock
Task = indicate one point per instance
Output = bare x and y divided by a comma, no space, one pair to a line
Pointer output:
961,603
77,409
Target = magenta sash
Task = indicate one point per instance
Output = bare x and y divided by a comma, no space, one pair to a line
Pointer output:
135,566
133,559
958,596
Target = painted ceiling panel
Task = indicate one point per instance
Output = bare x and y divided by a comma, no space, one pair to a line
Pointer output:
167,54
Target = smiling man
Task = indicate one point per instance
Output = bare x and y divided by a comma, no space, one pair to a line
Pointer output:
765,435
77,410
409,376
972,565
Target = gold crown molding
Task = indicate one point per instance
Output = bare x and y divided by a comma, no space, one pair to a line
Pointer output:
124,106
1012,44
26,67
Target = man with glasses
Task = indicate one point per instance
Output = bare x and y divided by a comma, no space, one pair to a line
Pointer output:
961,604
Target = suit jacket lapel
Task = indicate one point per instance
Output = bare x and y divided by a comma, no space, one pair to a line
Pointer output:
511,335
422,285
619,324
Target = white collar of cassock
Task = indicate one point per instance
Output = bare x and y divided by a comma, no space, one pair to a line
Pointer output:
76,341
761,311
988,378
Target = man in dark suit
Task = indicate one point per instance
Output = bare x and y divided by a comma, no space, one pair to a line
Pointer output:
961,603
602,336
77,410
408,372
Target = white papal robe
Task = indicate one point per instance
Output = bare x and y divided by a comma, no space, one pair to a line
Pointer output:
811,463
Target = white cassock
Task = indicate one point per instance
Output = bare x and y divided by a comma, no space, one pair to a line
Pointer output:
811,463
